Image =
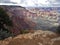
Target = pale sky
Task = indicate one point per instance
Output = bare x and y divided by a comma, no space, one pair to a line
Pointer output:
31,3
17,1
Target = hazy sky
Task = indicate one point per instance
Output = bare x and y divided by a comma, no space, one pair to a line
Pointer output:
31,3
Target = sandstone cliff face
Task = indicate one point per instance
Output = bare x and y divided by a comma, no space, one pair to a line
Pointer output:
28,19
46,17
19,19
39,37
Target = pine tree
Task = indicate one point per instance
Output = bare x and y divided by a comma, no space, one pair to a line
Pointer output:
5,24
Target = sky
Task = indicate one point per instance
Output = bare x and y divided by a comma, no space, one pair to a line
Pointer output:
31,3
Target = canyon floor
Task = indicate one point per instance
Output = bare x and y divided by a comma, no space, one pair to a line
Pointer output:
38,37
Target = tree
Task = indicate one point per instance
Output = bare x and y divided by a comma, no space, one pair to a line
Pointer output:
5,24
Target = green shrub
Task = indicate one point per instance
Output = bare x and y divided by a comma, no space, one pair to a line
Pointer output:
24,31
58,29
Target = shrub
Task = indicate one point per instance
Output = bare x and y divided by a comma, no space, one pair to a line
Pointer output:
58,29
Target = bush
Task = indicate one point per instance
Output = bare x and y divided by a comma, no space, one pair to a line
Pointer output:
58,29
24,31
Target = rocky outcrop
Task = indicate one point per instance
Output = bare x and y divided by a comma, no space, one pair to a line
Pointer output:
20,22
39,37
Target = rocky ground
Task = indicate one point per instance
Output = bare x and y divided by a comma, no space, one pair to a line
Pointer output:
39,37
